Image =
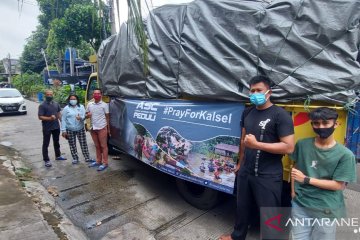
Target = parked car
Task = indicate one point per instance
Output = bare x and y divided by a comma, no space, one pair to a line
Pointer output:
11,101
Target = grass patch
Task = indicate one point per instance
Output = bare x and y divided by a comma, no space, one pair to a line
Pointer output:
23,174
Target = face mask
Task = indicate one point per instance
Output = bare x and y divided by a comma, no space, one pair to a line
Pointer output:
48,98
324,132
97,97
73,102
258,99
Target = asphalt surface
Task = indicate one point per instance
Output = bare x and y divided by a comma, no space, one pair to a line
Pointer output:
129,200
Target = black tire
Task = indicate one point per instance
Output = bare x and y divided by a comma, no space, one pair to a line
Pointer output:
112,150
198,196
24,113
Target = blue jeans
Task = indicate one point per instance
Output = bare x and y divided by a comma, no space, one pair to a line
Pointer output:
307,231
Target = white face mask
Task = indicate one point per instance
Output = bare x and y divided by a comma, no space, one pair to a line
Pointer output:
73,102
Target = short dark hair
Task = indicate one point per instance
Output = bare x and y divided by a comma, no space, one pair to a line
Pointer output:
97,89
323,113
259,79
73,95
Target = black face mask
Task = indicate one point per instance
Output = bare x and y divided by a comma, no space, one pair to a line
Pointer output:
324,132
48,98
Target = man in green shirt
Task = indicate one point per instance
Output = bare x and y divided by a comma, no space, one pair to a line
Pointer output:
322,170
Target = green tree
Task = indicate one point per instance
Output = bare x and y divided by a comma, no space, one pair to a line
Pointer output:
2,70
31,59
55,9
61,94
80,23
136,26
85,50
65,23
29,83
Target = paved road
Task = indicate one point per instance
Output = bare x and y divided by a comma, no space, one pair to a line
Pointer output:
129,200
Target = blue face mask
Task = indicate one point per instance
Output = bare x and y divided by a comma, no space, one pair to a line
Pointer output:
73,102
258,99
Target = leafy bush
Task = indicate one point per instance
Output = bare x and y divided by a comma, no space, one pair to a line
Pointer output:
62,93
28,83
31,83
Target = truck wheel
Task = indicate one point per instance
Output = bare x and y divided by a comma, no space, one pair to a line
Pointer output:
198,196
112,150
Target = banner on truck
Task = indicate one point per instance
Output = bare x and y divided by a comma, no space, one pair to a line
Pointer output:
195,141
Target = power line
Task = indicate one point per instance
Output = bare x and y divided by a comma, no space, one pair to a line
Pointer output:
27,2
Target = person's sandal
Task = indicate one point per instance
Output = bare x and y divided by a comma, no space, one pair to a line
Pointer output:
48,164
94,164
90,160
102,167
75,161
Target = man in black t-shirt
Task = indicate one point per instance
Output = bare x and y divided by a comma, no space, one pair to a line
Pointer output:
49,114
267,134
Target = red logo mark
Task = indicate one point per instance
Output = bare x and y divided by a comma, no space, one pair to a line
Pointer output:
276,218
301,118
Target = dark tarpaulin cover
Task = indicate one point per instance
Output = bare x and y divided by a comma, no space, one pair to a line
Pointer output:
210,50
353,132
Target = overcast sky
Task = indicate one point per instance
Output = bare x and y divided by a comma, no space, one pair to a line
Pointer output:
16,24
156,3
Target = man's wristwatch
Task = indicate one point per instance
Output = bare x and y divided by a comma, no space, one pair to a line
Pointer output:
307,180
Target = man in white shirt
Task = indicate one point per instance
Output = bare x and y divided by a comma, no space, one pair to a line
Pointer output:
98,111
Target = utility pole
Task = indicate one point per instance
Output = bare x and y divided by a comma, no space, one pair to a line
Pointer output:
102,19
112,16
9,69
72,61
46,63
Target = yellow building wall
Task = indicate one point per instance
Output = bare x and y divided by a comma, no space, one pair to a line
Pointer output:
303,129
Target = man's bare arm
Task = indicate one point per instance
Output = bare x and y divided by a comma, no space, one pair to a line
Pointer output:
46,118
107,115
59,115
285,146
241,150
333,185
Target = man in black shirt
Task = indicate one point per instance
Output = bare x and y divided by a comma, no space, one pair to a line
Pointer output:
267,134
49,114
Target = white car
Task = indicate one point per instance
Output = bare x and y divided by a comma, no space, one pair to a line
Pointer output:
11,101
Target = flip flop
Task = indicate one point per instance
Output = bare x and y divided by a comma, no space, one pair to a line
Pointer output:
102,167
94,164
61,158
48,164
74,161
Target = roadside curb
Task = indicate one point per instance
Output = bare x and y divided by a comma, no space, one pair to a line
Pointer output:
45,209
